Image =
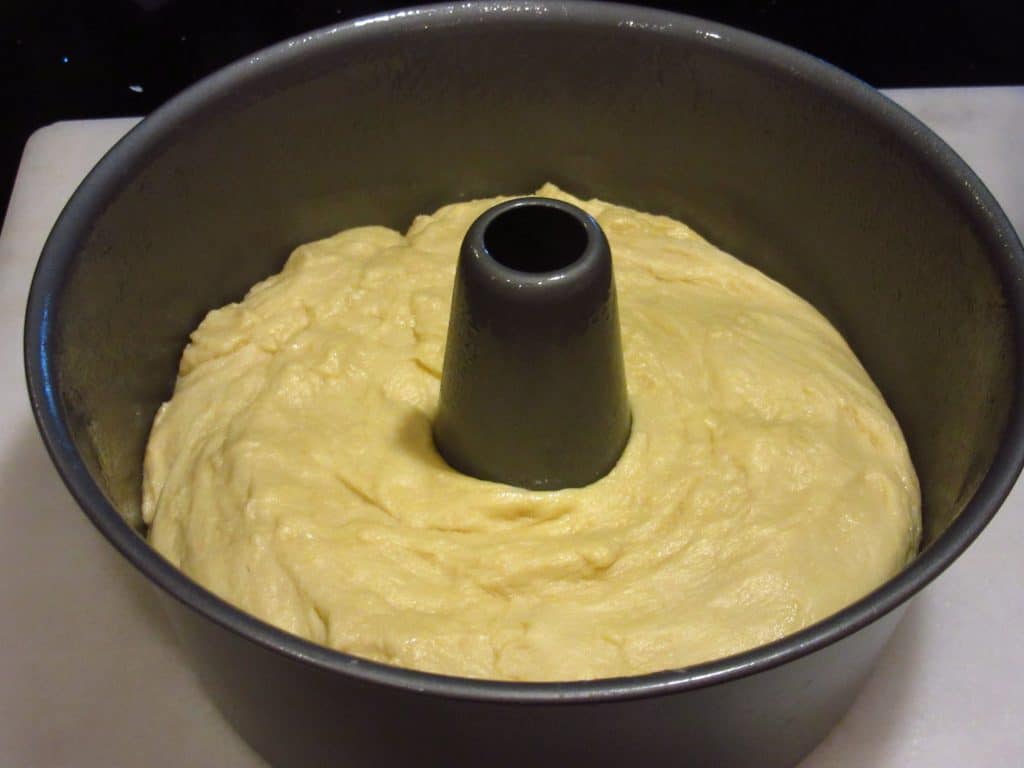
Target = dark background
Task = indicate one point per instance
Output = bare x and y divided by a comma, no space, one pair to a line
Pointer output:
65,59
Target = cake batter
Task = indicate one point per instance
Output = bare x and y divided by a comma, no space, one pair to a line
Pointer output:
765,485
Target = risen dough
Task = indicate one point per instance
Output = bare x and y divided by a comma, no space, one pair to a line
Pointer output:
765,485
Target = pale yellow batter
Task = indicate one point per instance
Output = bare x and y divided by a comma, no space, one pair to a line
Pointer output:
765,485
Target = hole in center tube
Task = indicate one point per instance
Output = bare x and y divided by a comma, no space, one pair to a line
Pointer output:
535,238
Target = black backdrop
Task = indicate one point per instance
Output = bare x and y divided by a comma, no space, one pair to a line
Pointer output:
64,59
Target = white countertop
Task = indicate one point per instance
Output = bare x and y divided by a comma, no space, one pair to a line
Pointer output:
89,671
